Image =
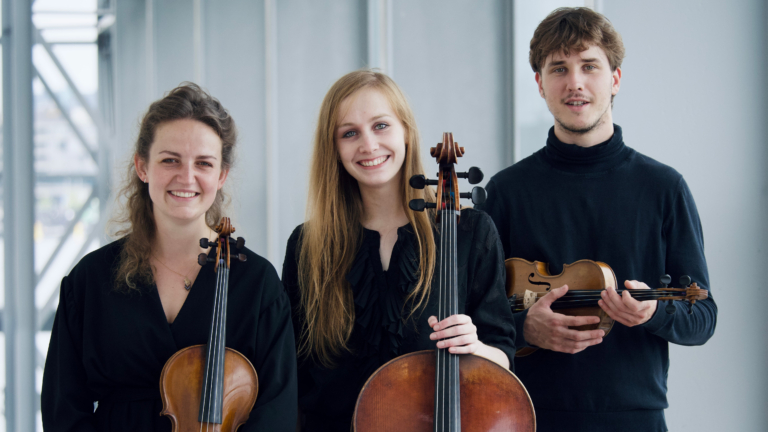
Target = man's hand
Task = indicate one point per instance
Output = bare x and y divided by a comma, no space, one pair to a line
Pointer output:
626,310
546,329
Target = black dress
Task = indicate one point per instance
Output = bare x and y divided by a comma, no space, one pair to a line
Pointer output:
327,396
110,348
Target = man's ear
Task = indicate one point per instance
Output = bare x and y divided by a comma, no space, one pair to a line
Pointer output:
539,80
616,81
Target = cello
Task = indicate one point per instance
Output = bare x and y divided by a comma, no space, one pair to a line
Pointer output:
527,282
211,387
435,390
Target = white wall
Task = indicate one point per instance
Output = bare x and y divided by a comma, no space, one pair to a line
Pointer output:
693,96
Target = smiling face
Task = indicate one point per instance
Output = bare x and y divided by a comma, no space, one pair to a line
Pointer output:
370,139
183,171
578,90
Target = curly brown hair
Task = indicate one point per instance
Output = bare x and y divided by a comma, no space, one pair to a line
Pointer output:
135,214
567,29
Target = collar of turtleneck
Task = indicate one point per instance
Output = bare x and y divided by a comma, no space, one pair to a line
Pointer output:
575,159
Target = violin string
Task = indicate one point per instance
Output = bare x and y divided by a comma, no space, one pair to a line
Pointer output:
209,365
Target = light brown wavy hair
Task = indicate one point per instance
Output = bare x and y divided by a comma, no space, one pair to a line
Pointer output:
567,29
135,217
332,235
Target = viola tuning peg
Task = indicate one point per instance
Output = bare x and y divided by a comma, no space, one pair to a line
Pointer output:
242,257
665,280
240,244
202,259
670,309
685,281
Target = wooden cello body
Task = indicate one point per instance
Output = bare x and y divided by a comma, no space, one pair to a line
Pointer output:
211,387
435,390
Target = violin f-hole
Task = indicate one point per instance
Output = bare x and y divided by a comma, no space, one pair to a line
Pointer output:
533,282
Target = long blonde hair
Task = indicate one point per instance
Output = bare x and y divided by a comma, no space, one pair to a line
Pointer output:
332,235
134,219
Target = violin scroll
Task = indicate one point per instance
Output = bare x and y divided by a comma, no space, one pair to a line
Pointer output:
224,229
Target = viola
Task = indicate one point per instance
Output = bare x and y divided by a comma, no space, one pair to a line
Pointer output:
435,390
527,282
211,387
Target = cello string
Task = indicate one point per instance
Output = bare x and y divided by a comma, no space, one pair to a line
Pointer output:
454,311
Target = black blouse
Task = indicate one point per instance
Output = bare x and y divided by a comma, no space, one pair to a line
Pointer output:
327,397
110,348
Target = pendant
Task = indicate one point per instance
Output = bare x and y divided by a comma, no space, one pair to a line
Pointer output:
187,284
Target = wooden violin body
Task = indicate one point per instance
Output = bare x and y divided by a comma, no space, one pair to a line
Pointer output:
492,398
181,384
211,387
529,281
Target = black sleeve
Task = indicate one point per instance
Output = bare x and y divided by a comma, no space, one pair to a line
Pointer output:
290,278
487,301
66,403
688,325
277,403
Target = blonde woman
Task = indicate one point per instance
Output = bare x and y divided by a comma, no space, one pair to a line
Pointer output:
126,308
359,271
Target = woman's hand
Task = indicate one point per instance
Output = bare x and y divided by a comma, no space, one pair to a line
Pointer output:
459,335
458,332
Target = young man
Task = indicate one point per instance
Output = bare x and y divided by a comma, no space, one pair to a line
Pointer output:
586,195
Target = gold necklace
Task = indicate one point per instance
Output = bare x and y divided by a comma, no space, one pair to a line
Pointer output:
187,282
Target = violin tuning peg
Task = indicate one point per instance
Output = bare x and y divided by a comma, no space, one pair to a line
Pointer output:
202,259
665,280
685,281
205,243
670,309
242,257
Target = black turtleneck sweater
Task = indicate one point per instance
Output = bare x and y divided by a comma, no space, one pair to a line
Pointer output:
612,204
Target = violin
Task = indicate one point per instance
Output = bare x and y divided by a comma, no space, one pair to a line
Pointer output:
527,282
435,390
211,387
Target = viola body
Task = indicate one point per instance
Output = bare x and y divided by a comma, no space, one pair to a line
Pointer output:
525,277
181,384
400,395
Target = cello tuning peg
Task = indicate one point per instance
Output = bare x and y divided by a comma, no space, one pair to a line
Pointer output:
477,195
240,243
685,281
419,181
420,205
670,309
242,257
202,259
474,175
205,243
665,280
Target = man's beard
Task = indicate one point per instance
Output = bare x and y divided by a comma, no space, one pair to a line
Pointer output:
584,129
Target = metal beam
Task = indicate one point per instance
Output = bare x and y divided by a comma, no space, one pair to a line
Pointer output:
380,46
272,160
65,114
93,114
19,321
